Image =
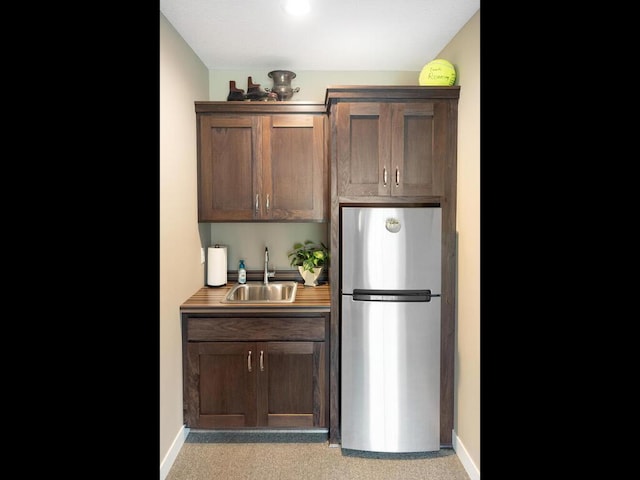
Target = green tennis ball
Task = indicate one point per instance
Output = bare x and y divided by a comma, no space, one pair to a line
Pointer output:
438,72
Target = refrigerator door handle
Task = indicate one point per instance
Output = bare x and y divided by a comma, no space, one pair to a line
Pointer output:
392,295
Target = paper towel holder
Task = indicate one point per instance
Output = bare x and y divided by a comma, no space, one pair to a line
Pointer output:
217,266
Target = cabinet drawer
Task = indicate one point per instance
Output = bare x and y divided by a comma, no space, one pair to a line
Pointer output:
258,329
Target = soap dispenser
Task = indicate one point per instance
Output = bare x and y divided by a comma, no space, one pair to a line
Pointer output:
242,272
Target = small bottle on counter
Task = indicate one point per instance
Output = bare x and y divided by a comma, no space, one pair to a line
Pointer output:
242,272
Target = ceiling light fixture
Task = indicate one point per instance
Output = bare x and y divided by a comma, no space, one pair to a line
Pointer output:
297,7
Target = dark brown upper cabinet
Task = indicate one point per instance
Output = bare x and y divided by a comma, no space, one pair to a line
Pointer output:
262,161
391,141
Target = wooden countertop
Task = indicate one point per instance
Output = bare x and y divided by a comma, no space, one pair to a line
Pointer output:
210,299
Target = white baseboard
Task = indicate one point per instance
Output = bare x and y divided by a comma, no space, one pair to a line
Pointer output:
171,455
465,459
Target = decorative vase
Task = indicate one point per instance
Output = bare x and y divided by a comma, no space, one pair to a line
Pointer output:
282,84
310,278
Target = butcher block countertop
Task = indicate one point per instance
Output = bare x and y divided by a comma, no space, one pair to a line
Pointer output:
209,299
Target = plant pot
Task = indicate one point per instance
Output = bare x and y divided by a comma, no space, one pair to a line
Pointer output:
310,278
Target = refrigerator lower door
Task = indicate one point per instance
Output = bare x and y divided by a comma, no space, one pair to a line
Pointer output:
390,400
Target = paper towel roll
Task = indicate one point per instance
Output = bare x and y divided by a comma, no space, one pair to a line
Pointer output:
217,266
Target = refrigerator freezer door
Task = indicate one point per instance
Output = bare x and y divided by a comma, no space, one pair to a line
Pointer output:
391,248
390,376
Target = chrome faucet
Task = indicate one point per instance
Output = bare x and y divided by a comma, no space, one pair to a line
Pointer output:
267,273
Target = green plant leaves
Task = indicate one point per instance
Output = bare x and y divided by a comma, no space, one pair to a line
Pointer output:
309,255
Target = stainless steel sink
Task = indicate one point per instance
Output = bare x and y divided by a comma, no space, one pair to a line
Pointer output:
257,292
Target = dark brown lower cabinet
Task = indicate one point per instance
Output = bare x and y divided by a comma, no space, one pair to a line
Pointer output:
271,384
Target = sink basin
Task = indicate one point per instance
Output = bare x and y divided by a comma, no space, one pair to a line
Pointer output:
257,292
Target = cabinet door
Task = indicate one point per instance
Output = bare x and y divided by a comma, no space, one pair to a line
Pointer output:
221,385
416,156
228,171
363,144
291,384
294,186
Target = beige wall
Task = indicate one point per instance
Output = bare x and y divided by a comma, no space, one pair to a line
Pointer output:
464,52
183,79
247,241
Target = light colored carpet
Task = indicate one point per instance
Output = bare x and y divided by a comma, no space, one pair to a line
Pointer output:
308,461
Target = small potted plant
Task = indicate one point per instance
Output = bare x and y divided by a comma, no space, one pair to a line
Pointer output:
310,257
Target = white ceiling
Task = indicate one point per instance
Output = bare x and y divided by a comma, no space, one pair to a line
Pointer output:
337,35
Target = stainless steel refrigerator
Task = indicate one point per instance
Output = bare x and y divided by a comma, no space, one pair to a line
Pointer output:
390,363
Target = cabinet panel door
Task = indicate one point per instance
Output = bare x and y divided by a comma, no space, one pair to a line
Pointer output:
228,173
294,169
363,141
417,167
291,387
221,389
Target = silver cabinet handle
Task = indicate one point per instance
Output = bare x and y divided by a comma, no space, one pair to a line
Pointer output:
261,361
267,202
384,176
257,202
397,176
249,361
